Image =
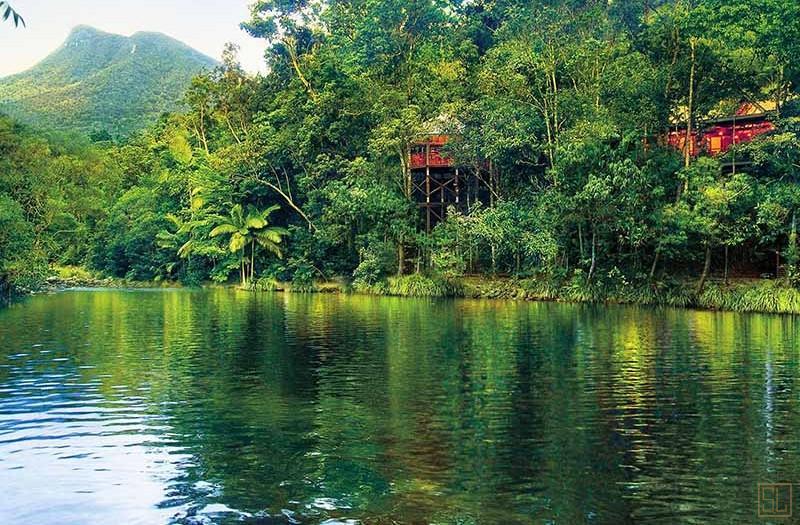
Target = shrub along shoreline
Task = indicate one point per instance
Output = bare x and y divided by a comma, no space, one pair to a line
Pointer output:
740,295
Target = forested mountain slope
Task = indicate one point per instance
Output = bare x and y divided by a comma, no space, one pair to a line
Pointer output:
99,82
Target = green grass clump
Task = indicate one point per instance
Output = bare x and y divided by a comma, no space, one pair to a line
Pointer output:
491,288
377,288
418,285
757,296
540,289
265,284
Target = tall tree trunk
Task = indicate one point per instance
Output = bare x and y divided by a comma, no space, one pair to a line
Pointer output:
655,264
690,111
202,129
242,259
401,259
252,261
593,266
779,92
706,268
556,125
546,115
290,45
726,265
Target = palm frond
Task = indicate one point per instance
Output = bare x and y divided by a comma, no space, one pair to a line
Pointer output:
223,229
271,247
238,241
165,239
171,217
271,238
8,12
186,249
237,214
269,211
254,222
272,235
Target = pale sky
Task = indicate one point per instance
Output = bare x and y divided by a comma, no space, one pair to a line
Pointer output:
205,25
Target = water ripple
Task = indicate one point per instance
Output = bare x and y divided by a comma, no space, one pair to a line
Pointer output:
218,407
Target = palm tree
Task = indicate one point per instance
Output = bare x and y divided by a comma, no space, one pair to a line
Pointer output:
8,12
250,229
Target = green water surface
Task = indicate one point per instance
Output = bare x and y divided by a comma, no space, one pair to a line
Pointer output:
218,406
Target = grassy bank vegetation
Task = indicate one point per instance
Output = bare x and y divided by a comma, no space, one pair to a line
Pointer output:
744,295
738,295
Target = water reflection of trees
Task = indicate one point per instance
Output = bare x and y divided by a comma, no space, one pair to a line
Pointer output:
506,412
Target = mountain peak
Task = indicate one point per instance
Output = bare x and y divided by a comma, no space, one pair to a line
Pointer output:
84,28
159,39
82,32
152,34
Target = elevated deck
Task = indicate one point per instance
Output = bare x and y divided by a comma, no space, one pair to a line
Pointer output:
430,153
438,183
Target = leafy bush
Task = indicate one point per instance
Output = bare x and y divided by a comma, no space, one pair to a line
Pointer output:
26,275
303,278
377,261
74,272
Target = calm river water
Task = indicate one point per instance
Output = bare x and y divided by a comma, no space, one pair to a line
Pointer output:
218,406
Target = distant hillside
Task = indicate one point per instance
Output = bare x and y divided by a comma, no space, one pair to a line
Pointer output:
98,81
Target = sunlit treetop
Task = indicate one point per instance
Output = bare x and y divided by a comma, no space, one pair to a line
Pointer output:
275,20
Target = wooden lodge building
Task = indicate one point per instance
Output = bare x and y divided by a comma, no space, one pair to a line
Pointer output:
718,135
438,183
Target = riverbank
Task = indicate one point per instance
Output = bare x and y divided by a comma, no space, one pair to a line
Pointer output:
54,284
71,277
741,295
738,295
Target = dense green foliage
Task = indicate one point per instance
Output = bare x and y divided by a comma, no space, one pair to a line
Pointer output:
567,99
102,83
53,194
